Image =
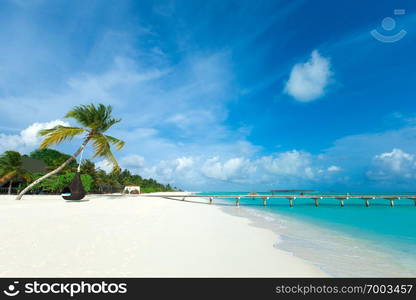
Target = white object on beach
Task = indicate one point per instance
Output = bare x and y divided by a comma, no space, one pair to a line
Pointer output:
129,188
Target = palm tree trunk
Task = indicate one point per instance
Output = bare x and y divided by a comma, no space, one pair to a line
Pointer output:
30,186
10,187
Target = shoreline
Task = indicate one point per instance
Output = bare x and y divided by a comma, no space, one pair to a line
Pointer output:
336,252
133,236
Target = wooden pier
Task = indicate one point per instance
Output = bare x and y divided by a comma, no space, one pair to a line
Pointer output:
366,198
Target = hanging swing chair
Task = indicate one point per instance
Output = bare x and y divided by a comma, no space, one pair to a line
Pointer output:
75,191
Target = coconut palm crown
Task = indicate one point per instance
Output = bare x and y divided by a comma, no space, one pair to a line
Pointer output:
11,168
95,121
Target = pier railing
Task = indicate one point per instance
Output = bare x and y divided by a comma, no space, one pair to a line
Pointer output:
291,198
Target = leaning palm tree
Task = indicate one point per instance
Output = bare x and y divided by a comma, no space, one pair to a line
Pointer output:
11,168
95,121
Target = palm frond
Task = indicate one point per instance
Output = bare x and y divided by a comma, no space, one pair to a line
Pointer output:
58,134
115,141
6,177
97,118
108,123
109,156
102,149
100,144
27,176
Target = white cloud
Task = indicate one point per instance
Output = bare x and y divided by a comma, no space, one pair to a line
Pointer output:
233,169
104,165
396,160
191,120
28,138
184,162
179,171
334,169
122,75
287,169
133,161
394,165
293,162
30,134
308,80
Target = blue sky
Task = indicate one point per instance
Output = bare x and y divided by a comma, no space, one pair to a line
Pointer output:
223,95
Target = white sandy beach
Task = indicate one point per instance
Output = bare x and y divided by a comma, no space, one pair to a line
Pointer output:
119,236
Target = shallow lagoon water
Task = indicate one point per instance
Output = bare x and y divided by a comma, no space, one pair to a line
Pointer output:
353,240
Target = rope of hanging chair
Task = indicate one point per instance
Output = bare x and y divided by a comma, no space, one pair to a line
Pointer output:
80,161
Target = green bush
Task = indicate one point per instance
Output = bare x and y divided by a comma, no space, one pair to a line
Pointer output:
87,182
149,190
58,182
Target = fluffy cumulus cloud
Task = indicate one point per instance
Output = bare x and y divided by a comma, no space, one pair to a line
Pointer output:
294,163
234,169
132,161
180,171
291,168
352,163
395,165
28,137
307,81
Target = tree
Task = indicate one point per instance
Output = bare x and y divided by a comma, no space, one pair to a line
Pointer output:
11,168
101,180
95,121
57,183
88,167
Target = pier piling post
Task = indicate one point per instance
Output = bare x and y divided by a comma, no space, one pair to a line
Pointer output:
342,202
237,202
391,202
210,200
291,201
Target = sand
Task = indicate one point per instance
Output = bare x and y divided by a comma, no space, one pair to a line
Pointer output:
134,236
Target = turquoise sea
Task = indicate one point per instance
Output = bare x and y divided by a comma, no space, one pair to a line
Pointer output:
353,240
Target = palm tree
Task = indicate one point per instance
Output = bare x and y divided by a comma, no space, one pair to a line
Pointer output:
88,167
11,168
95,121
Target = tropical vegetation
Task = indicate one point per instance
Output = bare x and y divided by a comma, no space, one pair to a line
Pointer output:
95,121
11,168
93,179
